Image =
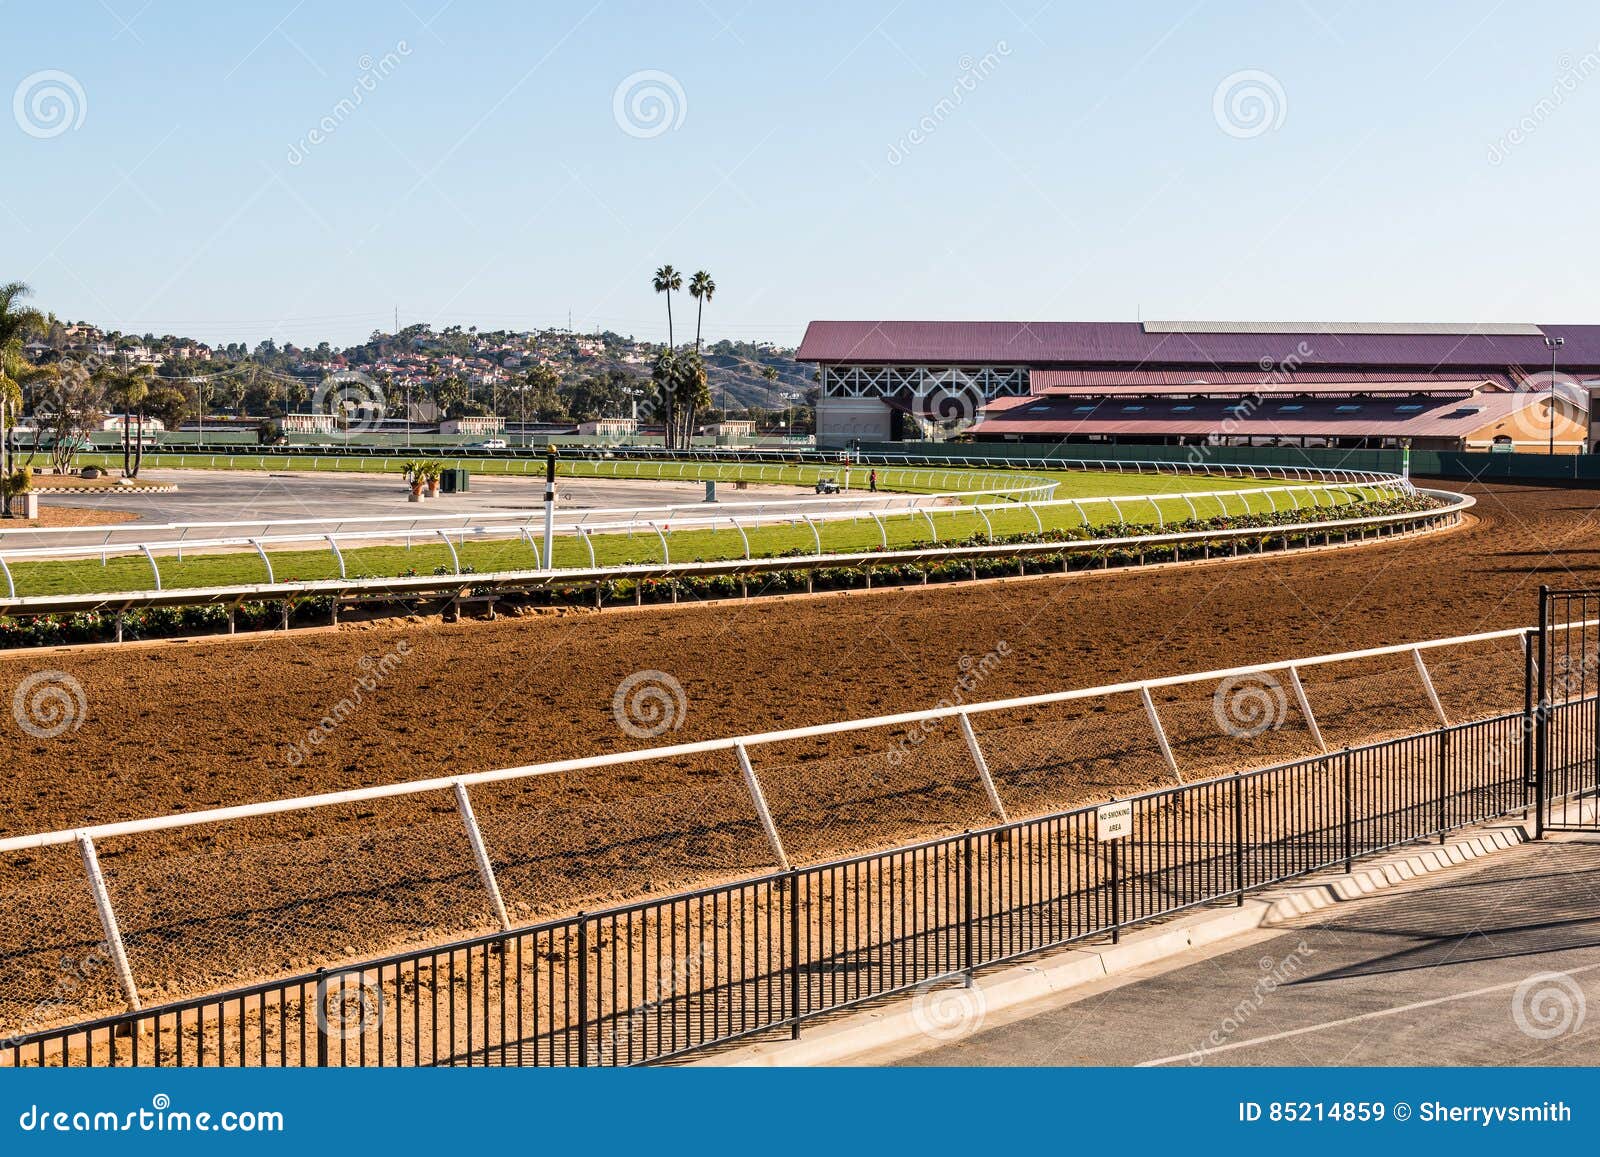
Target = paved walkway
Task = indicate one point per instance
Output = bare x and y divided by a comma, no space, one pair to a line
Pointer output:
237,495
1491,965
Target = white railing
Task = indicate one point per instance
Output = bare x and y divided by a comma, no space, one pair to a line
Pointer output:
741,746
507,525
454,582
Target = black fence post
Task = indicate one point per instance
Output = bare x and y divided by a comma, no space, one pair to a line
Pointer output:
1116,901
1529,640
1238,835
966,907
1349,810
583,990
1444,758
1541,759
794,954
322,1018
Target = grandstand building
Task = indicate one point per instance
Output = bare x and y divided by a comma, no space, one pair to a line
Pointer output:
1362,385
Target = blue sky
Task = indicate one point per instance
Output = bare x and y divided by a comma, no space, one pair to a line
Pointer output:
864,159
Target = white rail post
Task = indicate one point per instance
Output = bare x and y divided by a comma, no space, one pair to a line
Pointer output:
931,528
759,799
1305,708
666,554
265,561
982,765
108,919
337,557
1161,733
11,587
883,531
480,853
455,559
583,534
988,526
155,571
1427,685
742,535
814,534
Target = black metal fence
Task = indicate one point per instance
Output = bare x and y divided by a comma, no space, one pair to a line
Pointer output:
1566,670
653,981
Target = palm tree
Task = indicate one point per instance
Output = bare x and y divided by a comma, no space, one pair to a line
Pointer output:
15,321
701,288
666,280
664,376
125,390
690,392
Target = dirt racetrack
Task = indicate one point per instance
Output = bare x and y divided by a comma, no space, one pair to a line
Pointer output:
174,727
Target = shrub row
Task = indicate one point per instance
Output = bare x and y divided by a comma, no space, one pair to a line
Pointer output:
156,622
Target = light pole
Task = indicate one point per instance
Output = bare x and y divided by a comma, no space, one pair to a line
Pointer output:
1553,344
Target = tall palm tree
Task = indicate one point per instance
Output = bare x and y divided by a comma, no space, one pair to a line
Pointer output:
16,320
691,394
701,288
664,376
126,390
666,280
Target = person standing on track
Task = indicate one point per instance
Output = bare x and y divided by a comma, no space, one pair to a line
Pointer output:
872,482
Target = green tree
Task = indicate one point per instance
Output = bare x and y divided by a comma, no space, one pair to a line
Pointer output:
450,395
126,390
666,280
16,322
664,376
701,288
691,394
541,392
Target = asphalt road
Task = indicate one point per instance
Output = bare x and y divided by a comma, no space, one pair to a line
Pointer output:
1495,965
239,495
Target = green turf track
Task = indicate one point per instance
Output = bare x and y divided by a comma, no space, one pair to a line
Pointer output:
952,522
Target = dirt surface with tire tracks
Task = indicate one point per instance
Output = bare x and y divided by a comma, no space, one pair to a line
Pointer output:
182,726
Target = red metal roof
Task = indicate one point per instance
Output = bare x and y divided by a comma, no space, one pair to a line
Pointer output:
1129,343
1060,415
1140,382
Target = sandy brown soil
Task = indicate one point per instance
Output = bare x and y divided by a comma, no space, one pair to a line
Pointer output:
179,727
75,516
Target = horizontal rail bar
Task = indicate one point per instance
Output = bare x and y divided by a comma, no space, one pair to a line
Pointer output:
425,585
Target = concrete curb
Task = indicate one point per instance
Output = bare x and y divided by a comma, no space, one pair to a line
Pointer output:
849,1037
